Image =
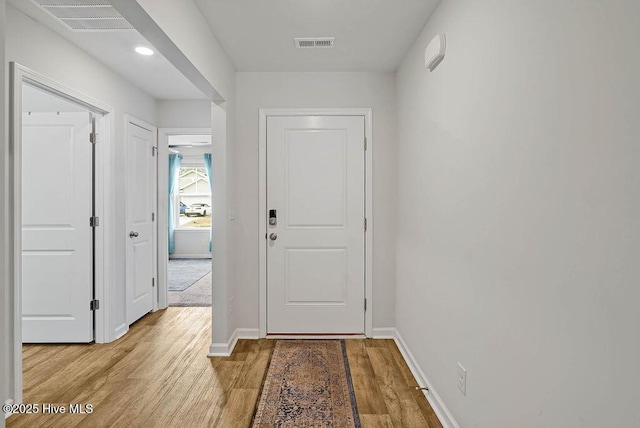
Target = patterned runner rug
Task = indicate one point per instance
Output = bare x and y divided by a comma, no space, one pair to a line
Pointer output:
308,384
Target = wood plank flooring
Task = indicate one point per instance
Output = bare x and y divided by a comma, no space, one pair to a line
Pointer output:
158,375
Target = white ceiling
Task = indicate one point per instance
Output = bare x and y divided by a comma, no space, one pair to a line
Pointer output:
371,35
153,74
195,140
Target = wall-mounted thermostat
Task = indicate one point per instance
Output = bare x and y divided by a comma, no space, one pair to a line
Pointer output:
434,53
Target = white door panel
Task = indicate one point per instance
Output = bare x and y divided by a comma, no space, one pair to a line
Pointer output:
315,266
57,192
141,173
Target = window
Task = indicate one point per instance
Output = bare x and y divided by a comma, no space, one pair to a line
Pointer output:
195,198
194,181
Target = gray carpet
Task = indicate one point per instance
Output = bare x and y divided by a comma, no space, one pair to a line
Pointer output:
183,273
199,294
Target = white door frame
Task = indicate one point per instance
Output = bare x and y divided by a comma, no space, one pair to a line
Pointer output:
163,207
128,119
367,113
104,207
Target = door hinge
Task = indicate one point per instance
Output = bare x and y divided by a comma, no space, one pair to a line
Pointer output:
93,138
365,142
94,221
365,224
94,305
153,282
153,216
365,304
154,149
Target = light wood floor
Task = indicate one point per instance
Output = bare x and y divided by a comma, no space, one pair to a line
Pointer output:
158,375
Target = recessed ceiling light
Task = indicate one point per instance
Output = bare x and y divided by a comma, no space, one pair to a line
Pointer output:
144,50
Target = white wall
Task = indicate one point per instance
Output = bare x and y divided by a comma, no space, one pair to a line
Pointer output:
293,90
192,155
191,243
186,27
518,231
184,114
5,322
45,52
182,21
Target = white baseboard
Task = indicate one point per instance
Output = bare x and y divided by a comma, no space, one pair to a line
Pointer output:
312,336
247,333
220,350
120,331
385,333
226,349
438,406
9,401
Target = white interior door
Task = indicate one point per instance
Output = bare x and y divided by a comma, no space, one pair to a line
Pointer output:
141,191
316,249
57,248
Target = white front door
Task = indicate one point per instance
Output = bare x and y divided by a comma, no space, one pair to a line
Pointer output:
141,190
316,249
57,243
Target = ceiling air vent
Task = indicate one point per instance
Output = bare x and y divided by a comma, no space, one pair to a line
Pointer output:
314,42
85,15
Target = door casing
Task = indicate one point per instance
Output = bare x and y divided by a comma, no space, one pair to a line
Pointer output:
367,113
103,245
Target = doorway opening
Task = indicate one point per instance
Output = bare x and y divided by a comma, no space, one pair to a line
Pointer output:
60,141
189,196
57,221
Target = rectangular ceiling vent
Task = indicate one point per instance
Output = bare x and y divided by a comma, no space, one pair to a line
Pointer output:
315,42
85,15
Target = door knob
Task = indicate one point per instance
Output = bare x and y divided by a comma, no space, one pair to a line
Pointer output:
273,236
133,234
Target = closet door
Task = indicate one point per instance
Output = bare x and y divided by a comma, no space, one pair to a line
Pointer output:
57,246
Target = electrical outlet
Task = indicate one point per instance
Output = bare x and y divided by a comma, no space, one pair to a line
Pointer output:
462,379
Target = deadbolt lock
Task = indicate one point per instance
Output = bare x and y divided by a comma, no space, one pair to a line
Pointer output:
273,217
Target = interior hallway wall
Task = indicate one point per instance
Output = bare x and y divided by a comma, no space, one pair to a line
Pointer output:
183,23
316,90
518,208
6,373
44,51
184,114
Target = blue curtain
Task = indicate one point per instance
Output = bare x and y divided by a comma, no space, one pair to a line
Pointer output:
207,165
174,170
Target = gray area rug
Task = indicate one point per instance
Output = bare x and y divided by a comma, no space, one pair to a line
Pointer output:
183,273
199,294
